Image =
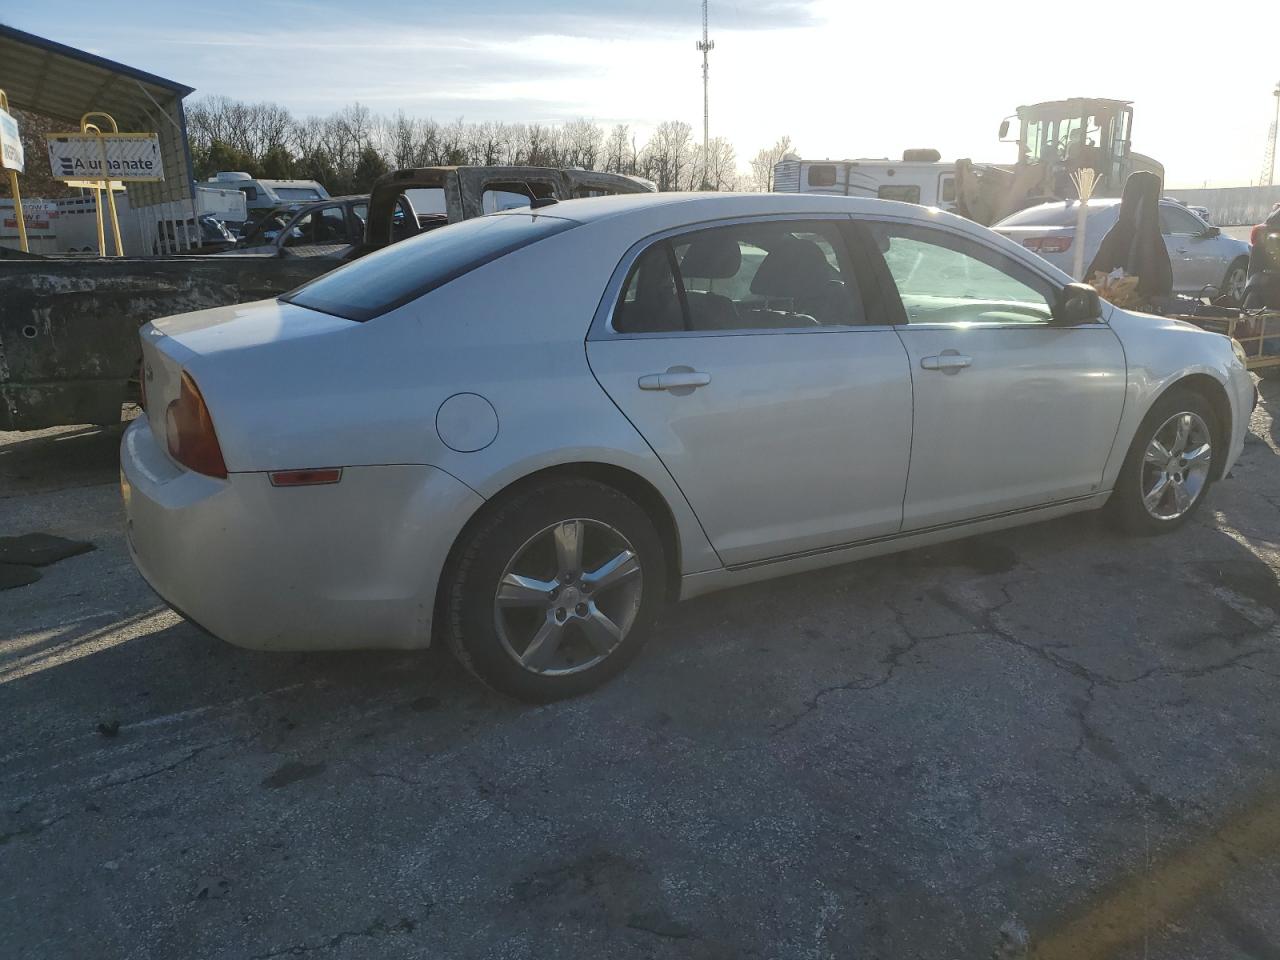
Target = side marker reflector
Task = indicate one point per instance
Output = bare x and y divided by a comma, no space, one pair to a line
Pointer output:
305,478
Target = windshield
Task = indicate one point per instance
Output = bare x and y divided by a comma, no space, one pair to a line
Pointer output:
404,271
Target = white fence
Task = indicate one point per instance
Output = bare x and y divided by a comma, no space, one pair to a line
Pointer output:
1231,206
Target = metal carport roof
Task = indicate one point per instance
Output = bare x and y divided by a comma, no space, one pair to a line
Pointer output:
62,82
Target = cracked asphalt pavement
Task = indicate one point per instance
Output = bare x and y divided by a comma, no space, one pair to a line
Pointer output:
1055,742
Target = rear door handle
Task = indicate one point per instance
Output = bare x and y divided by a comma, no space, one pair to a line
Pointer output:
951,362
675,380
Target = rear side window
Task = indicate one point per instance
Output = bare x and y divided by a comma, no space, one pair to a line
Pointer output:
404,271
753,276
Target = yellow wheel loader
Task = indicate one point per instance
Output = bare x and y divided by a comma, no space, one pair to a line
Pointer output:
1055,139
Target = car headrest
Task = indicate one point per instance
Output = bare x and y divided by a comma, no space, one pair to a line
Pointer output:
797,268
714,255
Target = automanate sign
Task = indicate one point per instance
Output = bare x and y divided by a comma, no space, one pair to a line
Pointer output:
105,156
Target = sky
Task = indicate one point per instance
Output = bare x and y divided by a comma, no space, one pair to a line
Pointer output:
841,79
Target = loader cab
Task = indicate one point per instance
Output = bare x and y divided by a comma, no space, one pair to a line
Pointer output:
1063,136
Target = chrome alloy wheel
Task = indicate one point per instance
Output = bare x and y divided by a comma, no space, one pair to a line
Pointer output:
1236,280
1175,466
568,598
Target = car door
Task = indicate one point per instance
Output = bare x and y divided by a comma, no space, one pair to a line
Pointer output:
357,219
745,356
1011,410
1196,259
320,232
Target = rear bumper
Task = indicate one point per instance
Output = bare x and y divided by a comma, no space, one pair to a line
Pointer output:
343,566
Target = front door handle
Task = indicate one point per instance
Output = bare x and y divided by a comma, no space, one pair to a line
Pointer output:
947,362
677,380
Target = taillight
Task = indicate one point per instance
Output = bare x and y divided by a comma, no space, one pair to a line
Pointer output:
1048,244
192,440
1257,233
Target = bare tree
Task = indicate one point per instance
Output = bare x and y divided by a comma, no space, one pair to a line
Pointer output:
618,157
345,148
668,159
763,163
721,169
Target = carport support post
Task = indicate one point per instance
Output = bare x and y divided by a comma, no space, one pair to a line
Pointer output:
13,188
115,219
17,210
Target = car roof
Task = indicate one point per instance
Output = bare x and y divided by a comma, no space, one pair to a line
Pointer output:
699,206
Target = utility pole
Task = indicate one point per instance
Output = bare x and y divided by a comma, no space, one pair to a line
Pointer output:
705,46
1269,160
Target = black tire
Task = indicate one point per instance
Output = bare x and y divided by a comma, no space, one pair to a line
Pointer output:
1241,264
504,533
1126,504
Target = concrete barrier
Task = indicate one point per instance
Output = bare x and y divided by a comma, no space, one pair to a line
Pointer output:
1230,206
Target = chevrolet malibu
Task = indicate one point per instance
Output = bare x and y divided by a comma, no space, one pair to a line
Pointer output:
524,434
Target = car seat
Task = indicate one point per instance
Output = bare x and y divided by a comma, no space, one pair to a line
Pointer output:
798,271
714,255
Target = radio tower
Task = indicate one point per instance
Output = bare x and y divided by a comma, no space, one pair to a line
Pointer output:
1269,158
705,46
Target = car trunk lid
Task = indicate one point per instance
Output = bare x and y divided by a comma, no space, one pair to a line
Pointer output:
189,341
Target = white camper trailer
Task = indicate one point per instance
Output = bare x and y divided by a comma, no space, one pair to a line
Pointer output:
920,177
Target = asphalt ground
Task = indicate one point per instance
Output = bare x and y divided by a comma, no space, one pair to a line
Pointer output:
1055,742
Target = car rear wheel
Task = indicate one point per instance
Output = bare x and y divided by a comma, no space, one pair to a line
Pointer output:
1169,467
1233,283
554,591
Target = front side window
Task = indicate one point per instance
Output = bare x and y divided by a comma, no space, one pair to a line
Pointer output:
1033,136
1175,221
768,275
327,225
394,275
943,278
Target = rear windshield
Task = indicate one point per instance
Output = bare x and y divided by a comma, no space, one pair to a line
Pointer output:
1049,215
404,271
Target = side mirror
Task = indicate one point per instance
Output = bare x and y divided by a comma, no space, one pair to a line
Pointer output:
1077,303
1004,129
1210,231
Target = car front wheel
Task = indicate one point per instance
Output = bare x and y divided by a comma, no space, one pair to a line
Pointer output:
554,591
1169,467
1233,283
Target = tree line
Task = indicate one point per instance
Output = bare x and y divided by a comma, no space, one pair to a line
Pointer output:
349,149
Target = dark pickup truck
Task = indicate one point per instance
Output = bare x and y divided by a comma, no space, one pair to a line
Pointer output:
69,350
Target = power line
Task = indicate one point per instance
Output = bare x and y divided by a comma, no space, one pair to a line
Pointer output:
705,46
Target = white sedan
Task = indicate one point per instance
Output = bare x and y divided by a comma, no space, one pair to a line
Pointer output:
525,433
1199,253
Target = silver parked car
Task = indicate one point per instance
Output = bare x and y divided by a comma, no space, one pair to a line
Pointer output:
523,434
1200,254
